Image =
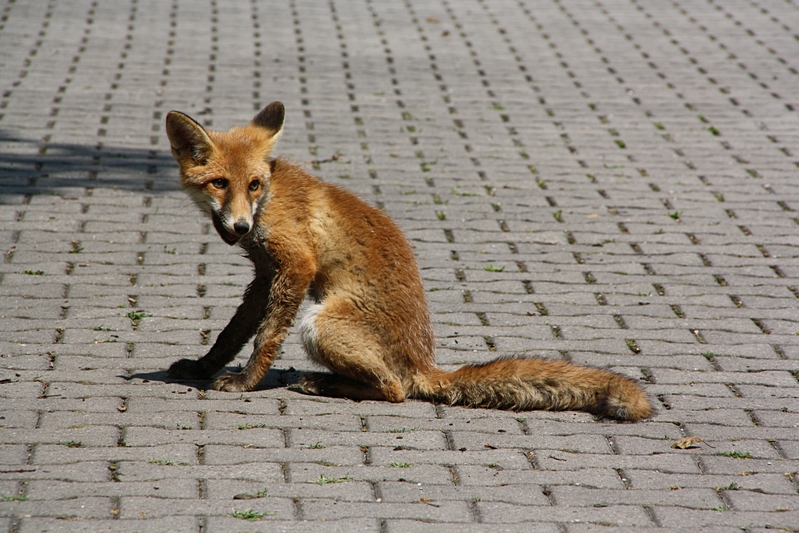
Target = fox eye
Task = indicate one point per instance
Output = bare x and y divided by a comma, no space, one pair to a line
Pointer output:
255,185
219,183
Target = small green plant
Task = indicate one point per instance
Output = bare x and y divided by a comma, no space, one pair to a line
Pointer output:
497,107
620,143
249,514
35,272
168,250
76,248
492,268
558,215
161,462
72,444
251,496
250,426
660,126
708,355
436,289
441,215
676,215
714,131
137,315
344,176
731,486
325,480
735,454
317,446
404,430
426,165
398,464
19,498
456,192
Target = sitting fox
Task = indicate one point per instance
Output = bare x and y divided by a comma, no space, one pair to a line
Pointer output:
370,325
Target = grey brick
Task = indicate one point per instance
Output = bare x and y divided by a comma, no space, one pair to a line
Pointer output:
633,171
671,517
178,524
332,510
760,482
617,515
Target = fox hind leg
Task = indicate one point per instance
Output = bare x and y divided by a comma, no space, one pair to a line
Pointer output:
334,337
339,386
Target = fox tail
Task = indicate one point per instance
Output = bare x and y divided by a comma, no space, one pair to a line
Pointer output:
522,384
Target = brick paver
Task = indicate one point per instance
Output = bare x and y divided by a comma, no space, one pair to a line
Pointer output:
608,181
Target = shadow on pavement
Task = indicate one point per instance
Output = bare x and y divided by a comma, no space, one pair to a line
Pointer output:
29,167
274,379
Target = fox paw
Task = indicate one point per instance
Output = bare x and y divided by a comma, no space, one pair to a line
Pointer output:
187,369
232,382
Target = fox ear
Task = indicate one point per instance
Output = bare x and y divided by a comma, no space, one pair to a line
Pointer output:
190,142
271,118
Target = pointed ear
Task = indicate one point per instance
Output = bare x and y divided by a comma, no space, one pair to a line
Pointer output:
271,118
189,141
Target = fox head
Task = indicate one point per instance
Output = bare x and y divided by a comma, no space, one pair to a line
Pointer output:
227,173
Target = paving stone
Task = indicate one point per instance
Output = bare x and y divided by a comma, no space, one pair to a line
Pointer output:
691,498
679,517
346,525
247,453
608,183
616,515
410,526
750,480
455,511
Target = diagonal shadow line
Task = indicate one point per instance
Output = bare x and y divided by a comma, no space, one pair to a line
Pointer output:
29,167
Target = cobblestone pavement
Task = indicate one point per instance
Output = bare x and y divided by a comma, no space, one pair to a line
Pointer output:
608,181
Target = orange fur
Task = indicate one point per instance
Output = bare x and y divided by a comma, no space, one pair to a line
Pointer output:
370,325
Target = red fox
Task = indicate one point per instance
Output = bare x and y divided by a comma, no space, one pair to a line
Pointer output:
370,325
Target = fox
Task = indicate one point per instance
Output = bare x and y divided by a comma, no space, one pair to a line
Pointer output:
369,322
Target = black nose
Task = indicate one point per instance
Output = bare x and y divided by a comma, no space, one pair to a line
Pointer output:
241,227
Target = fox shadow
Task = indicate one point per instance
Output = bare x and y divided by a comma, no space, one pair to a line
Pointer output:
275,379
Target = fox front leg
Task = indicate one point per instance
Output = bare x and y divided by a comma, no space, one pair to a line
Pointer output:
285,297
241,327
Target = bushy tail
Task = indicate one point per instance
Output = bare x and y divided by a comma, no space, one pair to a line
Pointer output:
519,384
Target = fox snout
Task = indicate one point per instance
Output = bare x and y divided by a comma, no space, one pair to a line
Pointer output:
241,227
231,233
